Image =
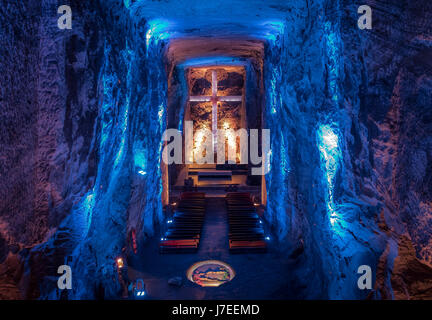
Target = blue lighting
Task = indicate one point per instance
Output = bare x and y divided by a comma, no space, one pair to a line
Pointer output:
141,172
139,289
127,3
274,29
213,61
161,113
157,31
267,238
275,96
333,52
86,212
328,145
140,160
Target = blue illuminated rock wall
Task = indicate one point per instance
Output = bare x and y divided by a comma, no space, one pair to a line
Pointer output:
294,72
127,190
98,118
336,188
53,156
96,134
18,96
83,110
390,137
312,196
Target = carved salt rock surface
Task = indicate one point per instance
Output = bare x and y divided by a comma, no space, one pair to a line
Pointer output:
395,134
201,115
52,153
229,115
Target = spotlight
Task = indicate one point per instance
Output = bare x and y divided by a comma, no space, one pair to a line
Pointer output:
260,221
142,172
169,221
267,238
140,293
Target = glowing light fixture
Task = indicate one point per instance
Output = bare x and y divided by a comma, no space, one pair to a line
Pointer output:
142,172
328,145
120,263
157,31
139,289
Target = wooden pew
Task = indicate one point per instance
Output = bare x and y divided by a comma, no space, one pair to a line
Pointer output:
184,232
246,233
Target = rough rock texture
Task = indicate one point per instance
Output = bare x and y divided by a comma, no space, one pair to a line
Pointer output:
397,112
77,141
19,65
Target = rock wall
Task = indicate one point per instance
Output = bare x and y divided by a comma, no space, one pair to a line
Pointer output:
396,112
82,113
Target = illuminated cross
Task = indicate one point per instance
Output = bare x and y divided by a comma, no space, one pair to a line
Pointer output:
214,98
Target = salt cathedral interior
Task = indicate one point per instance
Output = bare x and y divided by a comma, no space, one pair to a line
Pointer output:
223,149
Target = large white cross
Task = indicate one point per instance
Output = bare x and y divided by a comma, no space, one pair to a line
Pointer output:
214,98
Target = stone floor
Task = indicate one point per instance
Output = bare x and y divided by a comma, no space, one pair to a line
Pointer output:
258,276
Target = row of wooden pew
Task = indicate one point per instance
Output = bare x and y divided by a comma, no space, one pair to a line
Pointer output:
185,226
246,232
